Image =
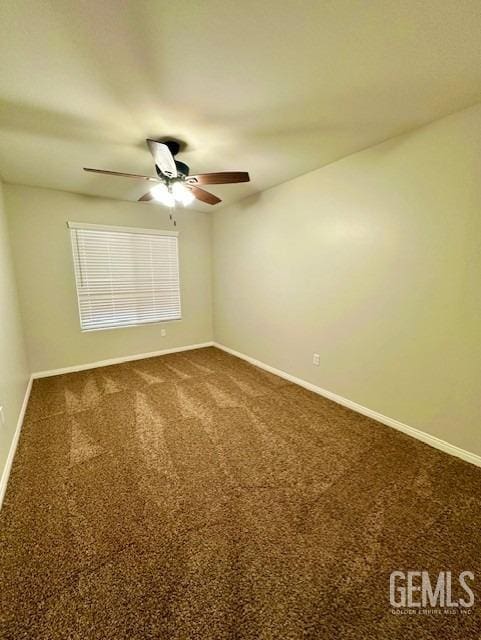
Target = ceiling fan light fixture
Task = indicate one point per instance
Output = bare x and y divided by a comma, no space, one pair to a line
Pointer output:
162,194
182,194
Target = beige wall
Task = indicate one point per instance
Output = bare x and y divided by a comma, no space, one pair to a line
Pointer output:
14,373
43,262
374,262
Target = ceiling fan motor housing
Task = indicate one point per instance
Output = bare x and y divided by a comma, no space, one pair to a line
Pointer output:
174,146
182,170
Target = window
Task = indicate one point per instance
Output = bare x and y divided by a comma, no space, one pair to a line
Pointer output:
125,276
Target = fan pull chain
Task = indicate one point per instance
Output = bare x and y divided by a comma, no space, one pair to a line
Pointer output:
172,216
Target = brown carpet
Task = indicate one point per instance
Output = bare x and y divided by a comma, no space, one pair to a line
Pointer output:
195,496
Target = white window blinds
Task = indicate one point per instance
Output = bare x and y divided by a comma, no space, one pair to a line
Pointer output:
125,276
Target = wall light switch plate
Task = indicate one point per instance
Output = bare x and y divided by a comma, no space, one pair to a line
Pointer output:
163,332
2,416
316,359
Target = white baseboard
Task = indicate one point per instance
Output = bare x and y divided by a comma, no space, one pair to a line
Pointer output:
432,441
106,363
13,447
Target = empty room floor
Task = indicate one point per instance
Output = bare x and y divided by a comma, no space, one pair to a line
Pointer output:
195,496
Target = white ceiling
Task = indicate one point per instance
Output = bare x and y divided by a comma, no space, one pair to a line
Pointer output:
277,88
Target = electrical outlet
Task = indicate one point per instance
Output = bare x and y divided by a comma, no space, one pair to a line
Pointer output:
163,332
2,416
316,359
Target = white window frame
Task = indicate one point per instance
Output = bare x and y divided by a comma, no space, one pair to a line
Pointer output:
128,230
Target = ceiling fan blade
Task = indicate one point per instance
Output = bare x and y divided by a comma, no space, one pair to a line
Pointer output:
224,177
122,175
204,196
147,197
163,158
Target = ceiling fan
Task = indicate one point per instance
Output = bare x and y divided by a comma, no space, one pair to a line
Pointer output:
173,183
